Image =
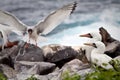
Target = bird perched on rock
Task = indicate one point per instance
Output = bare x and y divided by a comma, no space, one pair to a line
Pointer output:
42,28
94,36
97,55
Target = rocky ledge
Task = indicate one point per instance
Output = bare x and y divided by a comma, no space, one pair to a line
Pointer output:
49,62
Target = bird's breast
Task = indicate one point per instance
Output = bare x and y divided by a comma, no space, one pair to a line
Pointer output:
34,36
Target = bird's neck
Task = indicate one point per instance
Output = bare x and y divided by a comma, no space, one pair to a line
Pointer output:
98,51
93,40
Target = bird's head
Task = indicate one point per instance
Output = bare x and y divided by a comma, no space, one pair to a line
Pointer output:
30,31
99,45
91,44
93,35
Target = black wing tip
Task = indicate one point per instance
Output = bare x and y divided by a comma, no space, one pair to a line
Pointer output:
74,7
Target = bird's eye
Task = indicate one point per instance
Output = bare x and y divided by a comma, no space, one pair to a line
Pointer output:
90,35
94,45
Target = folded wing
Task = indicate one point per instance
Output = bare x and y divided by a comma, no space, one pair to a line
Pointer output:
54,19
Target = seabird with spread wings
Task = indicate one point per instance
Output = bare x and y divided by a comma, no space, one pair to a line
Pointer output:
42,28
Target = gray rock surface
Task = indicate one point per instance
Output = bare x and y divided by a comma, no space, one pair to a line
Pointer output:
8,71
59,54
75,65
113,49
40,68
6,59
25,69
29,61
32,53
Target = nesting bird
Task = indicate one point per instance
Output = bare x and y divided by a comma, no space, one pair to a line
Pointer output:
93,37
97,55
42,28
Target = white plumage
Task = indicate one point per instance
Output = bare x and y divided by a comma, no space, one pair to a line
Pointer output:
97,55
93,37
42,28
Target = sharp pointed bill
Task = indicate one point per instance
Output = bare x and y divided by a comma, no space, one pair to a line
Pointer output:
93,37
86,35
42,28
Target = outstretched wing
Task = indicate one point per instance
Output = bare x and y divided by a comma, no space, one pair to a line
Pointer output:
11,21
54,19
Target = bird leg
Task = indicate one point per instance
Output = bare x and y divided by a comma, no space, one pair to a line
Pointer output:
27,43
29,40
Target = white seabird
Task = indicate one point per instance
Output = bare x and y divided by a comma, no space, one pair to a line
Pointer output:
94,36
42,28
97,55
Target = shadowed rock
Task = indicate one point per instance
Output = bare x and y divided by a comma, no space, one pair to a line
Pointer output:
112,45
61,55
8,55
7,61
113,49
40,68
75,65
8,71
20,53
32,53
